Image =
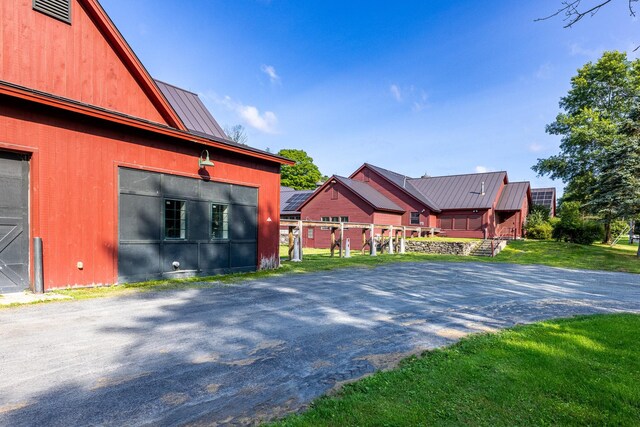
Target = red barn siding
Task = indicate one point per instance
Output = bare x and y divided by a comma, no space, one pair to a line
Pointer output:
74,184
396,195
464,223
73,61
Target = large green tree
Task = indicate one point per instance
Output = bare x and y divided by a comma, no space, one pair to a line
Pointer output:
594,127
303,175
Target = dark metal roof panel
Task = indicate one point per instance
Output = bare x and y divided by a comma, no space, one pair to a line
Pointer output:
461,191
191,110
369,194
290,200
404,182
512,196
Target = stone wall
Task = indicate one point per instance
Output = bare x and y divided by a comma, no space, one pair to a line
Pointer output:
436,247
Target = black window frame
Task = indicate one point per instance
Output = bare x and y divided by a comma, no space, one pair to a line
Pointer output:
164,220
344,219
414,220
225,230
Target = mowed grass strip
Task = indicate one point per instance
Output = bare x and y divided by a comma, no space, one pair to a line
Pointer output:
578,371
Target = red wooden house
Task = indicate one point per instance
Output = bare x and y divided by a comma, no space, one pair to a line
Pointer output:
342,199
109,167
482,205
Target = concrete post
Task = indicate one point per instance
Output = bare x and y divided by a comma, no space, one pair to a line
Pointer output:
341,238
38,271
297,253
402,249
391,239
300,238
374,250
347,248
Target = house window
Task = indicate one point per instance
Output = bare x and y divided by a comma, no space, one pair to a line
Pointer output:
344,219
415,218
175,219
334,193
219,221
335,219
309,233
324,219
58,9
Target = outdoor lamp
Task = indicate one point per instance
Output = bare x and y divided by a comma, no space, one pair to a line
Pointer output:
206,161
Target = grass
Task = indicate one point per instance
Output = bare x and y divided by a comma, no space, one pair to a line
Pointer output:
578,371
557,254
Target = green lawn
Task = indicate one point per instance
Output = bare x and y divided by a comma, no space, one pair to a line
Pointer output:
579,371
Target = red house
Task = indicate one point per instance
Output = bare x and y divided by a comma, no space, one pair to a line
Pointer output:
122,177
483,205
346,200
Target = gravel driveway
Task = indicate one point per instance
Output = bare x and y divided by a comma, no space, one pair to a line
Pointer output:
243,353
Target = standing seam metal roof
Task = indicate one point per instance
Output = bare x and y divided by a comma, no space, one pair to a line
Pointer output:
404,183
512,196
461,191
369,194
191,110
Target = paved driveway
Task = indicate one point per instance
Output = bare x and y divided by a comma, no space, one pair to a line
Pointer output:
233,354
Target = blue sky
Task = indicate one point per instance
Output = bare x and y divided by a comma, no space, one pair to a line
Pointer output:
437,87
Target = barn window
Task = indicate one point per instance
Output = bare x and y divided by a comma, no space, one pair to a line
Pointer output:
366,175
344,219
334,193
446,222
324,219
219,221
460,223
175,219
415,218
58,9
335,219
309,233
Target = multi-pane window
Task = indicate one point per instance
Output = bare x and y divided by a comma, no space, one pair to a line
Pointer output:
219,221
335,219
415,218
175,219
344,219
325,219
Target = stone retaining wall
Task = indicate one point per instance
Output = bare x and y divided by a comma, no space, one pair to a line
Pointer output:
436,247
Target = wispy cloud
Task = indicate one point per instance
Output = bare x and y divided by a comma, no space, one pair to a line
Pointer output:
481,169
544,71
270,71
264,122
416,97
576,49
535,147
395,92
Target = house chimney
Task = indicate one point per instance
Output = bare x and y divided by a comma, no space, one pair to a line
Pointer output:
482,188
404,184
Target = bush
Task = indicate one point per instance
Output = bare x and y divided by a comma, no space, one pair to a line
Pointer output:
541,231
572,228
581,232
538,225
617,227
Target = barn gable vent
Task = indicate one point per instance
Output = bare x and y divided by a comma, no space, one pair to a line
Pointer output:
59,9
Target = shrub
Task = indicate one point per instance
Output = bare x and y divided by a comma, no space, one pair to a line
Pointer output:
617,227
581,232
540,231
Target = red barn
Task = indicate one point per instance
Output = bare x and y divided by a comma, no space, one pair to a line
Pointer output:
473,205
346,200
109,167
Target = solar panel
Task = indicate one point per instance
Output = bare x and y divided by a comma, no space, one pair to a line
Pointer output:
295,201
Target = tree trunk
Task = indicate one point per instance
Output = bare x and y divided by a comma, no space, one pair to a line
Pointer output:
607,231
632,225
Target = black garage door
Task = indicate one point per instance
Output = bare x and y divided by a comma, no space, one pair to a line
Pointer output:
14,234
171,226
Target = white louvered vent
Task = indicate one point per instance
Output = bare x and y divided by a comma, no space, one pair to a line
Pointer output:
59,9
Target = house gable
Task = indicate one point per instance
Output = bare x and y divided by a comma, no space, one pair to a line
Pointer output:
86,61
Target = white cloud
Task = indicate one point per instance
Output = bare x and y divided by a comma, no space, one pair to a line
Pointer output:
265,122
395,91
544,71
270,71
576,49
535,147
482,169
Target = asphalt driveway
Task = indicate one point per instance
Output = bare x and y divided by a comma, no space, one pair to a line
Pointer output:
243,353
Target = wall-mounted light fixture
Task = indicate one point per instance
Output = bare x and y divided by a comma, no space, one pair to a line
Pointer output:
204,160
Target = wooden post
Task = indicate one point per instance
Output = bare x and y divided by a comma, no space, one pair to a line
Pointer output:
291,228
364,239
300,236
333,240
